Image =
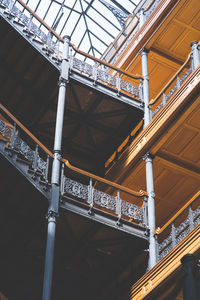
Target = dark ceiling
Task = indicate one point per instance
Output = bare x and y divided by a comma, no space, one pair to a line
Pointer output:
95,124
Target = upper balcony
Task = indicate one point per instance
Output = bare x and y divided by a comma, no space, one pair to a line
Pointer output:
173,135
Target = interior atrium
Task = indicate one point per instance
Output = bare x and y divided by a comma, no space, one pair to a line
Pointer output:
100,149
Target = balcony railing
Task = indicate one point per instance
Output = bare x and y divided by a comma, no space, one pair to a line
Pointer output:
179,226
174,84
76,184
96,69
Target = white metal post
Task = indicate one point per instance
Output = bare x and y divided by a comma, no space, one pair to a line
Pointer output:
55,178
195,54
149,165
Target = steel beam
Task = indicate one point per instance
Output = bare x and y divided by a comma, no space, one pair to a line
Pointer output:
109,220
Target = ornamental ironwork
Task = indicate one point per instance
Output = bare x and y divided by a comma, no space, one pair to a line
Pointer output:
5,130
98,74
179,232
101,199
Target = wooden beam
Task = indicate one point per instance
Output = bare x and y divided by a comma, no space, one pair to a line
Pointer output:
166,58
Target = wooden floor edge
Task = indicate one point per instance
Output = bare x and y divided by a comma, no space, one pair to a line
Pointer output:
164,268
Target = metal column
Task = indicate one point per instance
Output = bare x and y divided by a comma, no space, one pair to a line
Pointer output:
195,54
151,211
149,165
55,178
189,287
147,111
142,18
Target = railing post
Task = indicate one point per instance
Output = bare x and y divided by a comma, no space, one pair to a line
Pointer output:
90,197
195,54
151,210
173,235
191,219
55,178
118,207
147,115
189,288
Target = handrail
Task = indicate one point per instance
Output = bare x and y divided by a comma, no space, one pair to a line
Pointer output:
105,63
67,163
40,20
26,130
153,101
139,194
160,230
74,47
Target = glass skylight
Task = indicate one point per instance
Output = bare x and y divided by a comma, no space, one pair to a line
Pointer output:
92,24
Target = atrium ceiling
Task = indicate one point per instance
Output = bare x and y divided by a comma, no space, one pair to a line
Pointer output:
92,24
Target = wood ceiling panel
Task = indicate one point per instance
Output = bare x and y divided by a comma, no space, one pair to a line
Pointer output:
182,192
196,22
179,140
189,11
182,47
193,119
159,78
167,181
192,151
169,36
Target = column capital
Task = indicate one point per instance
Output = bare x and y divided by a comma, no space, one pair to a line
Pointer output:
62,81
187,258
67,38
51,216
144,51
193,43
148,156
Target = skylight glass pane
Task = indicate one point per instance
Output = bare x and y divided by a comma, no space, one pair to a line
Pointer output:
91,25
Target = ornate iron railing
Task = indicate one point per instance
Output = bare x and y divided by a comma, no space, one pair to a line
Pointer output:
179,226
99,71
19,139
172,85
91,189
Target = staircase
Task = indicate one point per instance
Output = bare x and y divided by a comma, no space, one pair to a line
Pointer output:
87,196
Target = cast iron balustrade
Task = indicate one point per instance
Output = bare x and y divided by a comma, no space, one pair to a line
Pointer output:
100,71
173,85
52,46
88,189
77,186
179,226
